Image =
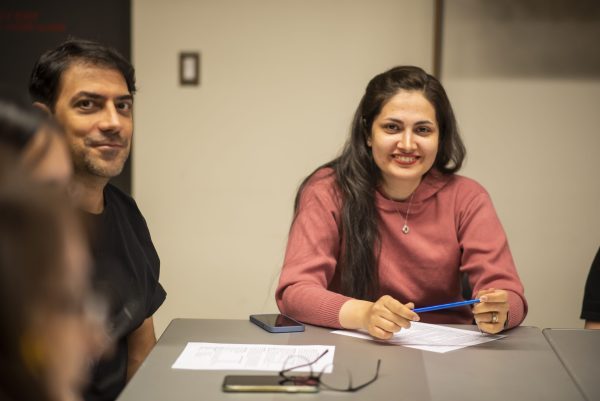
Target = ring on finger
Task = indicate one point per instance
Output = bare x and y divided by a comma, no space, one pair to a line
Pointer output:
494,317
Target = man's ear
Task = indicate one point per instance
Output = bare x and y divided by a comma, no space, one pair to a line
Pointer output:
43,107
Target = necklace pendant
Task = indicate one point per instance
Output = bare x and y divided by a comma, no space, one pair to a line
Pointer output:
405,229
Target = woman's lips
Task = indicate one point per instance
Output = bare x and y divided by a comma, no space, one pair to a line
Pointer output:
405,160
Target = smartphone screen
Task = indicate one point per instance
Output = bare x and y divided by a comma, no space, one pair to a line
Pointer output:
268,384
277,323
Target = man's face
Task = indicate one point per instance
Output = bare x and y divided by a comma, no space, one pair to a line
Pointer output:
95,109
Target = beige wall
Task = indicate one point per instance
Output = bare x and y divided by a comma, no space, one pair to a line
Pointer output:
216,167
528,102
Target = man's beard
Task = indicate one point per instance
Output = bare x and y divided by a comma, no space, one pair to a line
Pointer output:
95,167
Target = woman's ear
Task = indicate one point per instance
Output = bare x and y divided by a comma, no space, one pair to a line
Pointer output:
43,107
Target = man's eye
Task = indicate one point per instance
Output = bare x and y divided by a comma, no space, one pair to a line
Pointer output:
125,107
86,104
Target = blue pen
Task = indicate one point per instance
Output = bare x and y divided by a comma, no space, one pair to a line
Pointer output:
446,306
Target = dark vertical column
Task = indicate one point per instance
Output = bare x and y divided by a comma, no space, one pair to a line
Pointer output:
438,36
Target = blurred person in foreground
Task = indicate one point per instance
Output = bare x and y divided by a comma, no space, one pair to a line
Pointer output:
50,326
35,142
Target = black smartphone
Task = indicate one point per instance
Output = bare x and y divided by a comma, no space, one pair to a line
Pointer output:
277,323
268,384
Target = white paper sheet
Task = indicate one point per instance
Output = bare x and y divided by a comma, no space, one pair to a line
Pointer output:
264,357
430,337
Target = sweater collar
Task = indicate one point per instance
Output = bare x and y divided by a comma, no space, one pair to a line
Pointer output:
431,184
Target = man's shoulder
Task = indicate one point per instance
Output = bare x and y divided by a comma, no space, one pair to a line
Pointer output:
112,193
115,198
123,211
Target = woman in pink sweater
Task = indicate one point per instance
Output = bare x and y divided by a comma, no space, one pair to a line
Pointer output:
388,225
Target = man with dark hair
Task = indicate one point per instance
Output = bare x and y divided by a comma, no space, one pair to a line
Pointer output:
89,89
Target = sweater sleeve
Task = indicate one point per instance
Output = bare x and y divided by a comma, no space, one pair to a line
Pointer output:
486,257
311,258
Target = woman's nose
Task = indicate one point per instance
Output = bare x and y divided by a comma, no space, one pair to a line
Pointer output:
407,142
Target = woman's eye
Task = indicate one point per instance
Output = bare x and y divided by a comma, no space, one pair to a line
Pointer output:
423,130
391,127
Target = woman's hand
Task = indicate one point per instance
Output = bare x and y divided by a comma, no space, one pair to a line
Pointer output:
491,313
381,318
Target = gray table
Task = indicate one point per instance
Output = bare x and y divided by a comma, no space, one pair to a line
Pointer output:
521,366
579,351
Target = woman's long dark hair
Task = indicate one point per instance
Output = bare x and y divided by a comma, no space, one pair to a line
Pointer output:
357,175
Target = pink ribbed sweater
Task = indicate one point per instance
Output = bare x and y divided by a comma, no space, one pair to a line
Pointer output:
453,228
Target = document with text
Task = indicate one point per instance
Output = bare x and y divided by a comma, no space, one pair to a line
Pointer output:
264,357
430,337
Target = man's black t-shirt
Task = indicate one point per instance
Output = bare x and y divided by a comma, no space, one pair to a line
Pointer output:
126,270
591,299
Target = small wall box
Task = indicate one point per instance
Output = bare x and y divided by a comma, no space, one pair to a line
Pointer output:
189,68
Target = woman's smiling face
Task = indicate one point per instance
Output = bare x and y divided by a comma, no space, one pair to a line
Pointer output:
404,141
